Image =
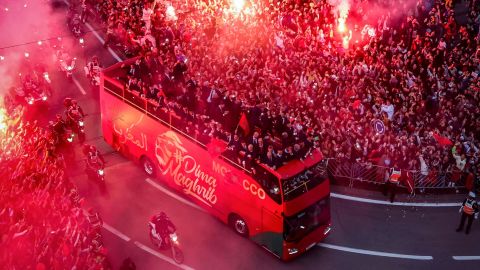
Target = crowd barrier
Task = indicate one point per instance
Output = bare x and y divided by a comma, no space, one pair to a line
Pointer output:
355,172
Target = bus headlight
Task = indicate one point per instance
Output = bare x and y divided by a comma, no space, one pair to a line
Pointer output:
292,251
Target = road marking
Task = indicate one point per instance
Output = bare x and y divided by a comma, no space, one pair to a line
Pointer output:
376,253
161,256
116,232
173,195
115,55
79,86
364,200
466,258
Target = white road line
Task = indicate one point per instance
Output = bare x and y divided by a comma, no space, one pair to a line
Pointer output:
115,55
173,195
376,253
364,200
161,256
79,86
116,232
466,258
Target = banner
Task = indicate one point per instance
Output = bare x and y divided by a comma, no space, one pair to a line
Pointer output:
379,126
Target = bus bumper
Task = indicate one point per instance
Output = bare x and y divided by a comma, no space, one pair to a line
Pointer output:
293,250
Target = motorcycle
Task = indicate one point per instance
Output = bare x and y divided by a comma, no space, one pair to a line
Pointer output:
68,67
77,126
76,28
96,170
171,242
63,143
69,136
67,64
93,74
36,96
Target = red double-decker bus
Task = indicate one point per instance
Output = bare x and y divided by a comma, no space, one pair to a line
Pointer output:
286,211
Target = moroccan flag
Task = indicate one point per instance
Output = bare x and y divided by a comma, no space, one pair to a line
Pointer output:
442,140
469,183
408,181
243,123
216,147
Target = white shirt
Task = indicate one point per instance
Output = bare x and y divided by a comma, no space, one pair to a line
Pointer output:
146,14
389,109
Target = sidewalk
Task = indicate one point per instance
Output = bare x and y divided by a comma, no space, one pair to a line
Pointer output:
401,196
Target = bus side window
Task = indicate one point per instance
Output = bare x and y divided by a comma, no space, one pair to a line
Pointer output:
269,183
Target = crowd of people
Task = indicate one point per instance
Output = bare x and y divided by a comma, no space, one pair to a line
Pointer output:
405,96
42,223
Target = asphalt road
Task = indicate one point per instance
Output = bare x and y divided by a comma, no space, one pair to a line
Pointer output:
369,236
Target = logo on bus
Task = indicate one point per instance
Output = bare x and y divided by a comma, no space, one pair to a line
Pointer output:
184,169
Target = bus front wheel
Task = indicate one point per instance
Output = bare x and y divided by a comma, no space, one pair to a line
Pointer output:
239,225
148,166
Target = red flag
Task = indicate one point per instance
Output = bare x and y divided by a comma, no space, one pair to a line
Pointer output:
243,123
442,140
469,183
409,182
356,104
216,147
161,94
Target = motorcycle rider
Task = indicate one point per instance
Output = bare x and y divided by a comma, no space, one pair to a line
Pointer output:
59,128
74,111
67,62
162,226
93,66
92,70
29,84
94,219
93,156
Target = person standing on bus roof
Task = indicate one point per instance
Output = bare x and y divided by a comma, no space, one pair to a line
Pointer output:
469,211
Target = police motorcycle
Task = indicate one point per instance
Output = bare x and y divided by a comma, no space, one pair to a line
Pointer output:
171,242
92,71
42,77
66,62
94,165
74,118
33,92
95,169
76,26
62,137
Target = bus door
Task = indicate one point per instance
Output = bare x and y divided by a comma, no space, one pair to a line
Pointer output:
272,232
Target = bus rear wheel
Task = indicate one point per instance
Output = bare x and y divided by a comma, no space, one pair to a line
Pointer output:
239,225
148,166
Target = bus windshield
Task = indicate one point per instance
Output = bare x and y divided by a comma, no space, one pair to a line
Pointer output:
303,182
300,225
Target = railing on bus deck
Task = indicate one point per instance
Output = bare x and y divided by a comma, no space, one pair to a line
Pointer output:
356,172
152,109
304,187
